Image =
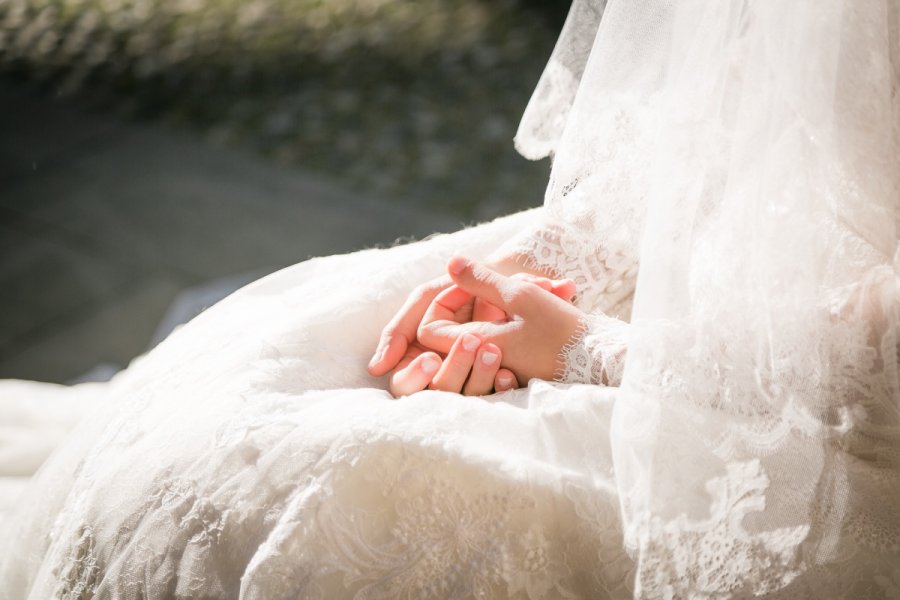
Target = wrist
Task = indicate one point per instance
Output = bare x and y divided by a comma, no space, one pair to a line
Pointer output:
565,329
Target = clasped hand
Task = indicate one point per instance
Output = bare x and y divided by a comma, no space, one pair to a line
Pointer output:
476,330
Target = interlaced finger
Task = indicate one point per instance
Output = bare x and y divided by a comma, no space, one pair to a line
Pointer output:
415,375
456,367
400,332
484,370
440,328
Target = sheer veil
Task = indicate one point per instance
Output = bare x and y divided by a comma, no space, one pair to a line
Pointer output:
745,154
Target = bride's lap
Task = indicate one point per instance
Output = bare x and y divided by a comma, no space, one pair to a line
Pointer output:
253,435
252,450
278,486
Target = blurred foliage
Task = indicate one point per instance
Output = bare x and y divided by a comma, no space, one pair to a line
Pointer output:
412,99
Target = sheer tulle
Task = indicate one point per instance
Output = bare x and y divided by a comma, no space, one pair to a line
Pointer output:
746,153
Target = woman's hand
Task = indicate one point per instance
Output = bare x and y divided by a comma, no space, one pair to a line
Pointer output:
399,335
397,342
466,369
537,326
471,368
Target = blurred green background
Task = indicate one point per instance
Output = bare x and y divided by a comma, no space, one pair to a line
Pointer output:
157,154
415,100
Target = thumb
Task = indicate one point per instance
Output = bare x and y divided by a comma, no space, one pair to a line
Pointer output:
482,282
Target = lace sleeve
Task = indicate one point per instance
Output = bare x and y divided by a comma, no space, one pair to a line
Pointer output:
604,278
597,354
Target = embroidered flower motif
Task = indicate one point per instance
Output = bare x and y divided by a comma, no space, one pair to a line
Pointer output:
720,549
444,545
533,567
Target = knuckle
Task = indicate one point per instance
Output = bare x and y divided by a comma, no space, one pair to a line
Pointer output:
519,295
424,330
530,291
426,291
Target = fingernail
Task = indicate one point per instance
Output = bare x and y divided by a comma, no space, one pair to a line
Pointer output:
470,342
505,382
376,358
488,358
430,366
457,265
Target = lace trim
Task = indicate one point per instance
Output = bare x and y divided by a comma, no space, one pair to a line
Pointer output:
605,278
728,554
596,353
545,117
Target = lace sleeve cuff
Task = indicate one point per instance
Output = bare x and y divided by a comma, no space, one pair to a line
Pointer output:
605,279
596,354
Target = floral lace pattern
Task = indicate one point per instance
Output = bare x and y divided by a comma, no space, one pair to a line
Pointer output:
763,340
452,540
603,277
753,449
597,354
375,520
729,555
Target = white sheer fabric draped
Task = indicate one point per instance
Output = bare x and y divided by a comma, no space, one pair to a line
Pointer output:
746,155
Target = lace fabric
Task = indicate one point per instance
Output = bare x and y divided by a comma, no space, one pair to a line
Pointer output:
605,286
269,469
765,199
597,354
604,277
545,116
744,155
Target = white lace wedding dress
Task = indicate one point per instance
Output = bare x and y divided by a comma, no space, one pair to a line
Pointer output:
753,448
251,452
